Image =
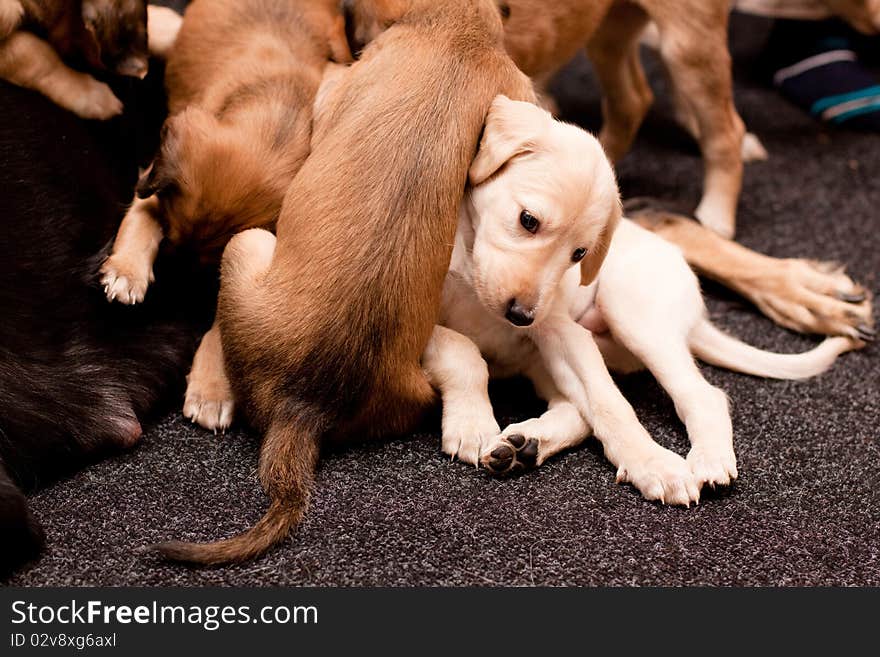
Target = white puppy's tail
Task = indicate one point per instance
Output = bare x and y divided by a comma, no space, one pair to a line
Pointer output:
715,347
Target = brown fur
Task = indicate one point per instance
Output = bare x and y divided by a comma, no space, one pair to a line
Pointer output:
241,81
241,78
103,35
323,337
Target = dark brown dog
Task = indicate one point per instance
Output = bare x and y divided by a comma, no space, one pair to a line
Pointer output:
323,333
242,77
103,35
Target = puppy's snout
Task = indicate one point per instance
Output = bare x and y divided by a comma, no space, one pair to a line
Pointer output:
519,315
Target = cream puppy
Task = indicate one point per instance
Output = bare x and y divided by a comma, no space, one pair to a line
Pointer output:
543,198
541,285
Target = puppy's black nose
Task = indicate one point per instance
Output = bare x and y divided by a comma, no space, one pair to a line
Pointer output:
519,315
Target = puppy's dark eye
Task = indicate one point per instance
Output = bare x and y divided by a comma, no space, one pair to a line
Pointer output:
529,221
578,255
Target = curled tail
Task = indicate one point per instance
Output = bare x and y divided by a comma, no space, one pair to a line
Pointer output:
715,347
287,469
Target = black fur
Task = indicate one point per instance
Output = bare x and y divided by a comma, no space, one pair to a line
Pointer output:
77,374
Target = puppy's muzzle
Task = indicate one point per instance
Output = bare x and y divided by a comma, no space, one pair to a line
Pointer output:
519,315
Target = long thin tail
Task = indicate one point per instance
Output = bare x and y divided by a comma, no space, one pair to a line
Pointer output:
715,347
287,469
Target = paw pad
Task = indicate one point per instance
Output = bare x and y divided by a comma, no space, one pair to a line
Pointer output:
515,453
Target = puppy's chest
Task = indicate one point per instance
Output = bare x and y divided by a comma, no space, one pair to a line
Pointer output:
507,351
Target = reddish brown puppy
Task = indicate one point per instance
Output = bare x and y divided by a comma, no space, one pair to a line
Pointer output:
323,331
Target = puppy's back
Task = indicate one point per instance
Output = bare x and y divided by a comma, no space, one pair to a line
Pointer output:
367,226
224,43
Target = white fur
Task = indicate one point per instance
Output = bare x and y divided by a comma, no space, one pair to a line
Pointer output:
645,307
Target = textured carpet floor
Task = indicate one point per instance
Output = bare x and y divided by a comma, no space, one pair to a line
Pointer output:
804,511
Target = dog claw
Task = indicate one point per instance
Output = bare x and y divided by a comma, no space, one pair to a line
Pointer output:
851,298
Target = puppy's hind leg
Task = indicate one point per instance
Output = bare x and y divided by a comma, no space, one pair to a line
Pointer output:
695,52
455,367
626,96
128,271
636,293
525,445
209,401
28,61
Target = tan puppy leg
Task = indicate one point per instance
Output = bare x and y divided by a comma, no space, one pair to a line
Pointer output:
626,96
752,148
702,407
659,340
696,55
163,24
11,13
209,402
128,271
802,295
575,364
524,445
455,367
30,62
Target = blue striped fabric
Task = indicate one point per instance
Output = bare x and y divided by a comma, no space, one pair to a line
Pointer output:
867,109
825,103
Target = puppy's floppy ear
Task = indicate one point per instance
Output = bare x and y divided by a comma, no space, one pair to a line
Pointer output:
591,265
511,129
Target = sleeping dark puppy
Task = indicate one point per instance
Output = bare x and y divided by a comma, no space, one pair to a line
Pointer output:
77,375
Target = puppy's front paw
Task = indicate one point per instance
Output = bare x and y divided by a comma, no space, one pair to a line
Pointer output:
511,454
712,465
125,280
95,101
209,403
661,475
465,435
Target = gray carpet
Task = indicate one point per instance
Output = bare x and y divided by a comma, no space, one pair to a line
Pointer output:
805,510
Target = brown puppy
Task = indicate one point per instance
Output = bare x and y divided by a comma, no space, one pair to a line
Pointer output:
241,77
543,36
323,331
105,35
